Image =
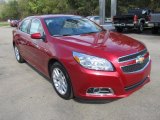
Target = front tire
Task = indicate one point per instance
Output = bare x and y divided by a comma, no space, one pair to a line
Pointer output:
61,81
18,56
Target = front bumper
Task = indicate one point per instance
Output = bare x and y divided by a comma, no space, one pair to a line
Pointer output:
83,79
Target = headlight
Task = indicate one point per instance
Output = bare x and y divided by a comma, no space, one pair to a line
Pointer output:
92,62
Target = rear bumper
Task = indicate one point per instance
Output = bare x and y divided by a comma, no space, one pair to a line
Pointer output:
130,25
123,25
83,79
156,24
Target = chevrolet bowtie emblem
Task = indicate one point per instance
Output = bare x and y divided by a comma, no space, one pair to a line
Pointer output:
140,59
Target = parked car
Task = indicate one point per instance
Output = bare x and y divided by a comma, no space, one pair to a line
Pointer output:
155,22
82,59
14,23
135,19
96,19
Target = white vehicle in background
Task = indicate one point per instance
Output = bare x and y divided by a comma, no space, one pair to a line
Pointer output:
108,22
96,19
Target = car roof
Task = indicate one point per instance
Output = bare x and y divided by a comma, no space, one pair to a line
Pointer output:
51,16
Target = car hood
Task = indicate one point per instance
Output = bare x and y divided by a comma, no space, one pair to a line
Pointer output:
107,41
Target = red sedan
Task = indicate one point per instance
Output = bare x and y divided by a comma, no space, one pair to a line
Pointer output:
82,59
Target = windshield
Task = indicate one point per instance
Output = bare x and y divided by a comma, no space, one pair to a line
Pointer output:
63,26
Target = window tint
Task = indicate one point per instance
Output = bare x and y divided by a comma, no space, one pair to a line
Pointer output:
36,27
24,26
62,26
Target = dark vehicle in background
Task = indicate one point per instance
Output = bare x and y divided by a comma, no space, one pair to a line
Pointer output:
14,23
155,22
135,19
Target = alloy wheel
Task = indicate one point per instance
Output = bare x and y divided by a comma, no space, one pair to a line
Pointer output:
59,81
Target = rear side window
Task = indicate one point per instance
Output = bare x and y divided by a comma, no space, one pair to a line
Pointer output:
36,27
24,26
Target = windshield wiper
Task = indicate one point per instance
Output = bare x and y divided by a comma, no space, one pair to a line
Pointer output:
61,35
92,32
66,34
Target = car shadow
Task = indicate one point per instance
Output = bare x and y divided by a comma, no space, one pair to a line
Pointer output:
79,100
85,101
48,79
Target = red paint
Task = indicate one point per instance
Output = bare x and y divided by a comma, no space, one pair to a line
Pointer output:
36,36
106,44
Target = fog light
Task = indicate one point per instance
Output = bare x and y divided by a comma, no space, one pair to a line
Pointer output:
100,91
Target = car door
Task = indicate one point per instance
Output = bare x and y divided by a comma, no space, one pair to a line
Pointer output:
24,39
39,46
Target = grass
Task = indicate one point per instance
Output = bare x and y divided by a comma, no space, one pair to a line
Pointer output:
4,24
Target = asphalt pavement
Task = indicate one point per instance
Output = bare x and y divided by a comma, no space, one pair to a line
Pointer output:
27,95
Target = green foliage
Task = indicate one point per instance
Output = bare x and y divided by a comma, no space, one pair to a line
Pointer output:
9,10
124,5
83,7
22,8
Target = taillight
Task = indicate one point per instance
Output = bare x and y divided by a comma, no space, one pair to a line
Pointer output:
135,18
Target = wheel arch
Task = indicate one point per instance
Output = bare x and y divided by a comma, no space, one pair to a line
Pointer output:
50,63
142,21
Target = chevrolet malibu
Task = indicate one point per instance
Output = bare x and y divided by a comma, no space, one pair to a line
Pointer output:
81,58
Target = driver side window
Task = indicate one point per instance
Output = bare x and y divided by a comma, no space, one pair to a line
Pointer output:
36,27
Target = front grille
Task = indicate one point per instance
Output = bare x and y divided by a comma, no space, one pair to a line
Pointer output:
136,85
135,67
132,56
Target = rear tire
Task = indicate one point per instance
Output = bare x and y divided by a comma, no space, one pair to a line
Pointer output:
18,56
119,29
61,81
141,28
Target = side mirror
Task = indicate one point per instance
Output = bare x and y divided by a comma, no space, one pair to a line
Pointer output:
36,36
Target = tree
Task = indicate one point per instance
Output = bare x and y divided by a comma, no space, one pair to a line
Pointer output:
83,7
9,10
22,8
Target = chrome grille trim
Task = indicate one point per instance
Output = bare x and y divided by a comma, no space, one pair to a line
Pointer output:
120,59
135,64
